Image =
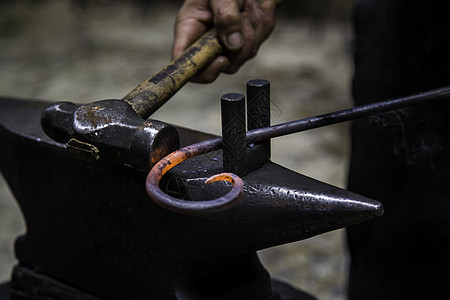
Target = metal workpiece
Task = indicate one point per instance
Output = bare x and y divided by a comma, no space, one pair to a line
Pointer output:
109,131
175,204
92,226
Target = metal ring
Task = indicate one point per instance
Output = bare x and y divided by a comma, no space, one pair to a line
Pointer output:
222,203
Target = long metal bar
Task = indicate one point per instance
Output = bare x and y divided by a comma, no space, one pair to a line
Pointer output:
372,109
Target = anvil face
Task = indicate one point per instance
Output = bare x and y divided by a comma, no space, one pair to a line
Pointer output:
94,226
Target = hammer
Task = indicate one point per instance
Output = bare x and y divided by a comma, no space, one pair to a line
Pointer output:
116,131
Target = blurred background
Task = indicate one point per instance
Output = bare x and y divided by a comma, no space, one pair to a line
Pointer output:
88,50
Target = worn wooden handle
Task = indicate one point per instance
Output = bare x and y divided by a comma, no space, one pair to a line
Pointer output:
151,94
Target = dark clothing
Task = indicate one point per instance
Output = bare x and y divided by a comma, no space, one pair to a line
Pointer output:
402,159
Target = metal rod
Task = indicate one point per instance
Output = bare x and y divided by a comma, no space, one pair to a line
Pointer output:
372,109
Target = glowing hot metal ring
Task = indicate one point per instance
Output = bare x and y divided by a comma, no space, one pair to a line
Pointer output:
225,202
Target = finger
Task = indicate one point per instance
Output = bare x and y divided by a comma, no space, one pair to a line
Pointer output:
249,50
262,15
186,34
258,21
211,72
227,21
193,19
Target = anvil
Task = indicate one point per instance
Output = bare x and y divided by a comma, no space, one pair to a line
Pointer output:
93,233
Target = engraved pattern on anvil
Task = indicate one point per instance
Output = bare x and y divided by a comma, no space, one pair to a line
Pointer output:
258,110
233,135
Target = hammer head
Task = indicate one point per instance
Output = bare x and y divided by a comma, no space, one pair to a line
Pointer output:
109,131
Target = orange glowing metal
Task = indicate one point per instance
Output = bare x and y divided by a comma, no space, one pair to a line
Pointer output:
224,202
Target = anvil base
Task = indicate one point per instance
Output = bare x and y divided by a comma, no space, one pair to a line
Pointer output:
55,289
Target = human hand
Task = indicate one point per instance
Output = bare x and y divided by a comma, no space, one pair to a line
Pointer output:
242,26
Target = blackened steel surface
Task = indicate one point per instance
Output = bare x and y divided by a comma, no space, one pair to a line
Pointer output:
258,104
258,110
93,226
26,282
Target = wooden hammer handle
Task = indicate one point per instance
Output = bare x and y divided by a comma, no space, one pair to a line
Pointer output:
151,94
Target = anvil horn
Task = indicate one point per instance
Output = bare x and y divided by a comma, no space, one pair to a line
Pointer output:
91,222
